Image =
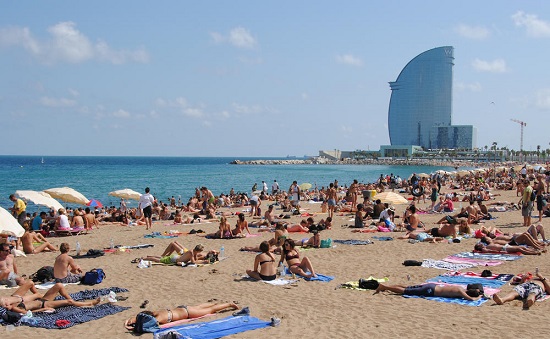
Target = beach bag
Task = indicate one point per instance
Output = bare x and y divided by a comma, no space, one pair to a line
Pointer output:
326,243
43,274
11,317
412,263
533,196
93,277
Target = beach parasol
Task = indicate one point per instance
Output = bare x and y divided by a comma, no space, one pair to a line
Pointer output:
39,198
94,203
126,194
392,198
67,194
305,186
539,168
423,175
9,225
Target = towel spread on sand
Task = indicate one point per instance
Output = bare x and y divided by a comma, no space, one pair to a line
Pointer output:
212,329
354,242
159,236
69,316
463,281
444,265
488,256
475,262
382,238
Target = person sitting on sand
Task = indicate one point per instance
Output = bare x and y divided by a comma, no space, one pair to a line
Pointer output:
314,241
413,221
275,243
492,248
359,221
434,290
295,265
78,221
41,303
224,231
176,254
242,225
29,238
165,315
526,290
535,230
65,270
265,262
444,230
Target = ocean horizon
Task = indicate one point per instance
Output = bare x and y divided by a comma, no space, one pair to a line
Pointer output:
167,176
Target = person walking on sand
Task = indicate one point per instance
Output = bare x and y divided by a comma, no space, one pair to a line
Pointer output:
331,199
146,205
275,187
294,191
526,203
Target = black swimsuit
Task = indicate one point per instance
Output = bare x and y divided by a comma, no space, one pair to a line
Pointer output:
267,277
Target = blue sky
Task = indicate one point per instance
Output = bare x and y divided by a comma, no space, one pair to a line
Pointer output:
257,78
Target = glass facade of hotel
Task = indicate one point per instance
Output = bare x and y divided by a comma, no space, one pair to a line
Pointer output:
421,99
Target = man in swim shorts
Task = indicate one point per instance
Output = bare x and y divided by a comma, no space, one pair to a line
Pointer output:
434,290
527,290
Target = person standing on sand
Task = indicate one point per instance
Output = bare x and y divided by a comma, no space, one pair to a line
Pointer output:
294,191
526,203
146,205
331,199
18,209
275,187
540,188
353,193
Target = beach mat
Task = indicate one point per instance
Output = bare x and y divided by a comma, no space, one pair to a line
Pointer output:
463,281
488,256
212,329
353,242
458,301
69,316
473,261
444,265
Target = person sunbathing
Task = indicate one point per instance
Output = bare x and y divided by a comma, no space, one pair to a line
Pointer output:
301,227
295,265
444,230
265,262
41,303
176,254
472,292
242,224
275,243
492,248
149,321
20,295
224,230
313,241
515,239
421,236
29,238
526,290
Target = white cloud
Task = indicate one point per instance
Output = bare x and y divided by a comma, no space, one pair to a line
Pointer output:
238,37
193,112
349,59
535,27
244,109
225,114
121,114
305,96
57,102
495,66
74,92
542,99
473,87
67,44
472,32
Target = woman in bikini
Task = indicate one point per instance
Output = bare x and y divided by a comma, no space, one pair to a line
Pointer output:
295,265
264,264
242,224
166,316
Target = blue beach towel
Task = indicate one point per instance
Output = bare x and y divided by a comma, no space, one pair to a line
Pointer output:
459,301
160,236
75,315
353,242
319,277
383,238
461,280
213,329
92,294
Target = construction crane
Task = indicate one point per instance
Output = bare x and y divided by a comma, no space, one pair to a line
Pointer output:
523,124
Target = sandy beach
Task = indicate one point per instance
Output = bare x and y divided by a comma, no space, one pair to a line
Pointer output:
307,309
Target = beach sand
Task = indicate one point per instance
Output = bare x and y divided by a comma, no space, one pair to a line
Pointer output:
306,309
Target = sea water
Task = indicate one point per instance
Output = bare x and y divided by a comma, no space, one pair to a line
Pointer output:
96,176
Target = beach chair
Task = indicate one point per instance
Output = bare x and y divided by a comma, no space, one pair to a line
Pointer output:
63,232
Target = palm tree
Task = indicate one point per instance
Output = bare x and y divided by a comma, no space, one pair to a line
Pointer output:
538,153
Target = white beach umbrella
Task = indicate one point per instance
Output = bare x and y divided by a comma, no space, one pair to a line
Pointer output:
39,198
9,225
126,194
392,198
68,194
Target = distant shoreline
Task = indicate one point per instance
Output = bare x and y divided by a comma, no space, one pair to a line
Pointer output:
390,162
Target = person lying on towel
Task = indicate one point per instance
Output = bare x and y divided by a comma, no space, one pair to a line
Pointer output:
526,290
471,292
149,321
